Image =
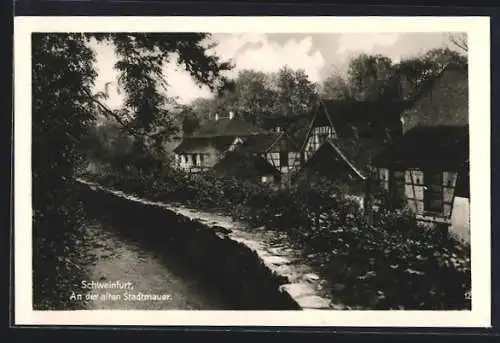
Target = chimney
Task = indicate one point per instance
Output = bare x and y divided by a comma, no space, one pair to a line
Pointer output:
231,115
216,117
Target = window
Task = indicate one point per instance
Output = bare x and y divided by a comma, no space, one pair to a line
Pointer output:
433,191
193,159
397,185
322,133
283,158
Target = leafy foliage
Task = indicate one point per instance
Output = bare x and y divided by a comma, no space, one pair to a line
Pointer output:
62,73
373,77
335,87
65,110
148,108
369,77
258,97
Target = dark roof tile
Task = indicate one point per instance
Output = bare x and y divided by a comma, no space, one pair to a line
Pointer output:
227,127
365,116
201,144
357,153
441,147
243,165
259,143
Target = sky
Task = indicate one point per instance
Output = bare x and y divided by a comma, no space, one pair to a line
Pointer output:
319,55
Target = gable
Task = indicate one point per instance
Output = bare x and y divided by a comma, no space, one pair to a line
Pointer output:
322,117
329,161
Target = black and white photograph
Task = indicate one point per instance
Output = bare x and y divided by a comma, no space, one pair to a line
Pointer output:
234,168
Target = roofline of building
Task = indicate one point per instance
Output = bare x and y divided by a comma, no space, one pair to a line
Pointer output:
424,87
353,167
337,149
325,111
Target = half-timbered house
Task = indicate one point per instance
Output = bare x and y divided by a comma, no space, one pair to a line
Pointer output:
344,137
427,169
205,147
208,147
271,156
348,119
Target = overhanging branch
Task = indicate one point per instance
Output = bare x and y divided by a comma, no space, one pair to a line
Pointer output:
113,114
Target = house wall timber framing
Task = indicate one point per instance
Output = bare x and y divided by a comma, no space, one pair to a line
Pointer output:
316,138
454,210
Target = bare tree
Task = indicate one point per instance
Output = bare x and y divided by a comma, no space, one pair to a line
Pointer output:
459,40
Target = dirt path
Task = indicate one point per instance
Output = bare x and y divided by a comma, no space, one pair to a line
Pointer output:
136,278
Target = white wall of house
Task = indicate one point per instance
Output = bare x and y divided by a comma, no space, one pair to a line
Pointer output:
317,136
195,162
460,220
292,160
237,141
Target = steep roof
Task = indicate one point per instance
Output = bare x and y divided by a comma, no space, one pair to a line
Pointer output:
218,134
284,121
201,144
273,141
460,73
356,153
260,143
243,165
441,101
227,127
360,153
436,147
366,119
364,115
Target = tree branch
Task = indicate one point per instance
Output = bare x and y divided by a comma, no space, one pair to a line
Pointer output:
133,132
113,114
460,41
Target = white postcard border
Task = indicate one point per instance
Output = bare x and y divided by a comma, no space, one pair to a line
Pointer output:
478,30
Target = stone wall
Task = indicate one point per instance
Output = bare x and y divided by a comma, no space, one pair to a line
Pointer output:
250,277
